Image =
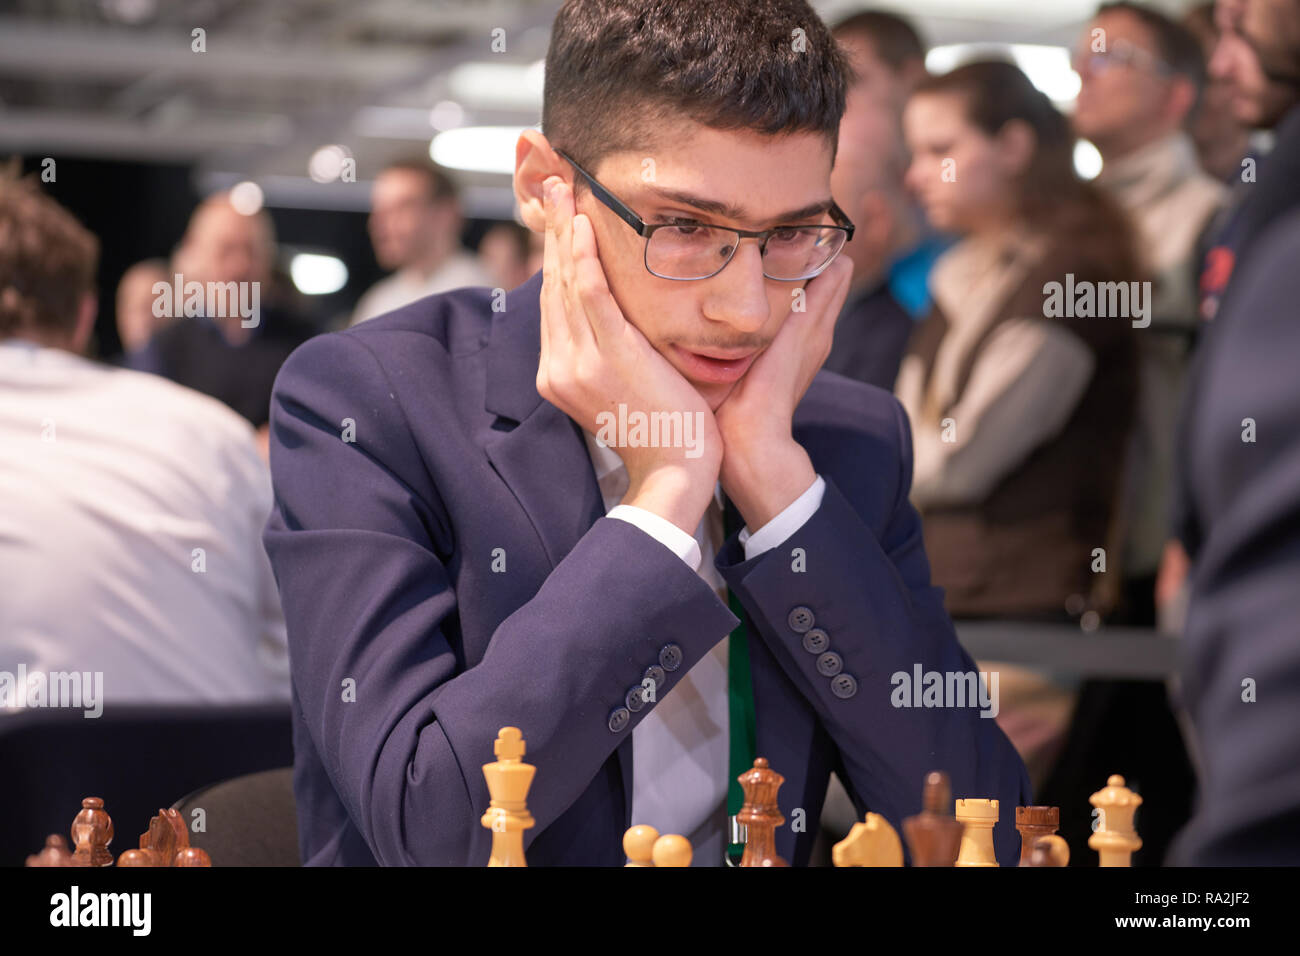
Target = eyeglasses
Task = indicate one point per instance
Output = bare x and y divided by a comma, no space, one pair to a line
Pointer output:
686,250
1121,53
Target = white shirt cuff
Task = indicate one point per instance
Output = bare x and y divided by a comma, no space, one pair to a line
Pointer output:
794,517
662,530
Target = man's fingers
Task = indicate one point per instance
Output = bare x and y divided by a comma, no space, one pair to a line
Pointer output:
555,333
591,288
579,328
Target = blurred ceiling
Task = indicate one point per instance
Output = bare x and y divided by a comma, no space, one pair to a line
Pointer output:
278,80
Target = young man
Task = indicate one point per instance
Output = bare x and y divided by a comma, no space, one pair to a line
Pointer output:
415,223
457,552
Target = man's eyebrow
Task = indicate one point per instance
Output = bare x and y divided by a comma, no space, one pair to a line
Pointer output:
729,211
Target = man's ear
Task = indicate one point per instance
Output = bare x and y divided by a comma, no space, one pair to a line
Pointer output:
86,313
535,162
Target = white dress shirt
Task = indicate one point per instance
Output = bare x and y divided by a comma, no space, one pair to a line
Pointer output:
681,748
110,482
460,270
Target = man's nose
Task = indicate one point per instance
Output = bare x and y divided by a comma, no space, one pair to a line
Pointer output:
738,294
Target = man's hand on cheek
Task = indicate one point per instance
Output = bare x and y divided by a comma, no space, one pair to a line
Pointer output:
763,468
599,369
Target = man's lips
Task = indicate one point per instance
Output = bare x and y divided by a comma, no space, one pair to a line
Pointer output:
718,366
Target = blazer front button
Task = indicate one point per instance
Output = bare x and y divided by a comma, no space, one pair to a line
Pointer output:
801,619
816,641
634,700
844,686
618,720
670,657
830,664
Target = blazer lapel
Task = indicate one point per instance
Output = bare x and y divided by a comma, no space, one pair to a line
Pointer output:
536,449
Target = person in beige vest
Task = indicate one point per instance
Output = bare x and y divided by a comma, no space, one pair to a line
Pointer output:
1020,412
1142,75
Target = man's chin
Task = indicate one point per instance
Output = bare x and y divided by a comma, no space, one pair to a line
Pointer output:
715,393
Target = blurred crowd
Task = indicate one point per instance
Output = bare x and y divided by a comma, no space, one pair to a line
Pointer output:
1055,461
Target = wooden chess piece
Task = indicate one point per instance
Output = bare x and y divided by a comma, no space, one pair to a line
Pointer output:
1050,850
934,835
192,856
978,816
638,844
92,832
870,843
1034,822
507,816
165,843
760,814
1115,840
55,853
672,850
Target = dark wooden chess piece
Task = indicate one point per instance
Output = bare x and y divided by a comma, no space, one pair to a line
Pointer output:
760,814
92,832
165,843
1035,822
1050,850
934,834
55,853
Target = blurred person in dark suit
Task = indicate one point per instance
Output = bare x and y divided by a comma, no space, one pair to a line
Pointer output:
130,532
888,58
1241,670
1259,57
230,344
415,224
1222,139
872,330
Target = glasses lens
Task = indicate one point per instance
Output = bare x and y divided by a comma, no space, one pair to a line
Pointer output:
798,253
697,252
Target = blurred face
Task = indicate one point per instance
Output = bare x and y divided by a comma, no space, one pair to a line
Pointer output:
865,178
225,246
962,177
135,298
1254,37
877,80
405,222
1124,96
738,179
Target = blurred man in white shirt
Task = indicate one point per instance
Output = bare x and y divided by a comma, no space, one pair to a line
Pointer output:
132,507
415,223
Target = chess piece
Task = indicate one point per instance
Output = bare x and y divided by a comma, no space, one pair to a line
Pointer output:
978,817
760,814
870,843
508,780
191,856
638,844
1035,822
1115,840
55,853
165,843
672,850
92,832
1050,850
934,835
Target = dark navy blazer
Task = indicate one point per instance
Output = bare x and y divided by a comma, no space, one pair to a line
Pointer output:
409,652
